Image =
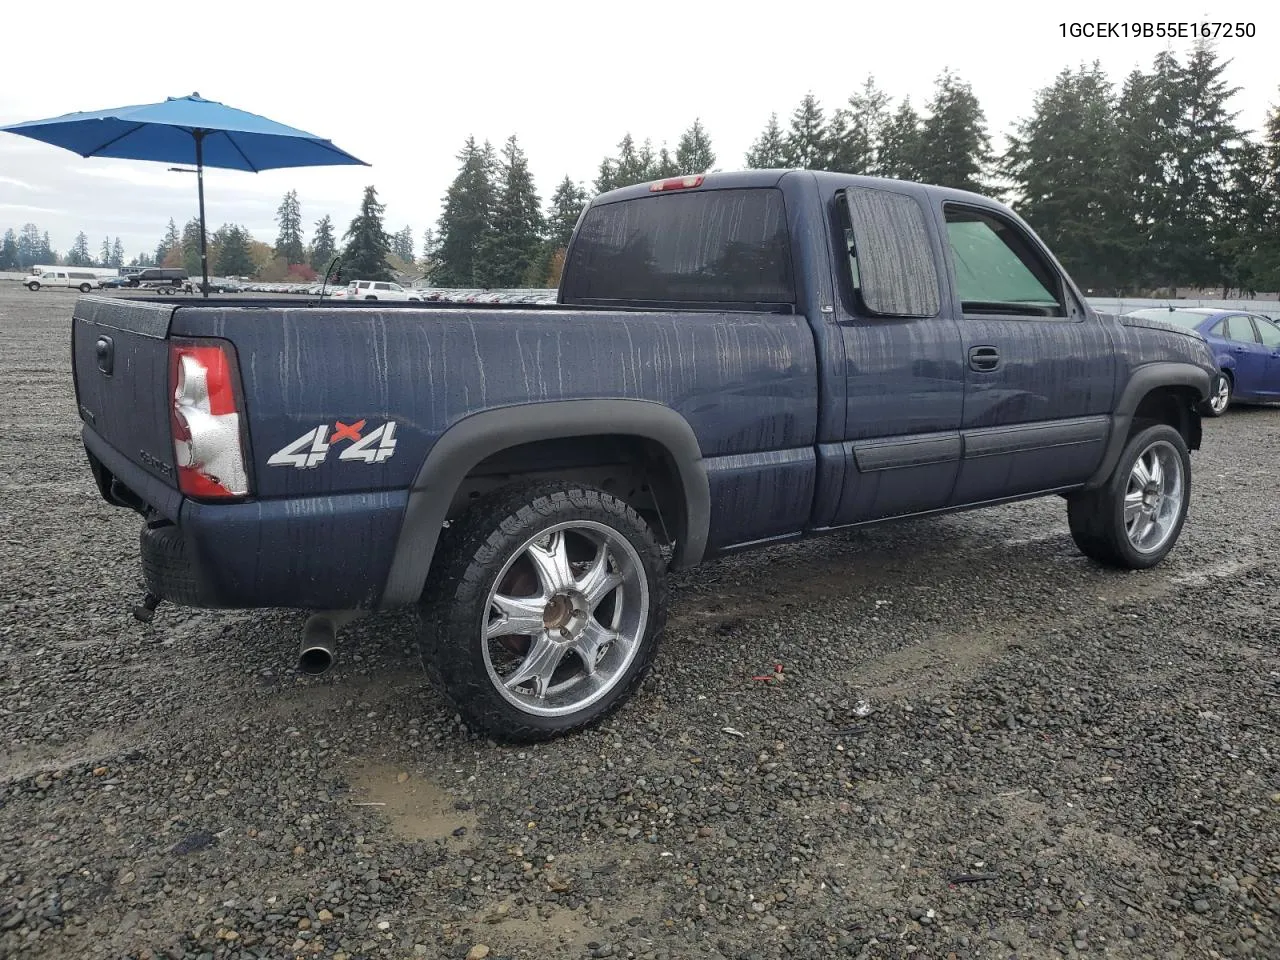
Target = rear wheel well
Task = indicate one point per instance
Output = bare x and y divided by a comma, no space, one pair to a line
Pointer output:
1175,406
634,469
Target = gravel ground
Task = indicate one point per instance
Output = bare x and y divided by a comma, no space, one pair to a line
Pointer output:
982,746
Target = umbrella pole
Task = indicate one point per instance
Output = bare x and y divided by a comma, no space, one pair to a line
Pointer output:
204,251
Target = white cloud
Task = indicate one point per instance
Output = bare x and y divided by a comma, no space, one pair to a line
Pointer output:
26,209
138,175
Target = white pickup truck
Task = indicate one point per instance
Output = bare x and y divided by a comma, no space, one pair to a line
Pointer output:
72,278
379,290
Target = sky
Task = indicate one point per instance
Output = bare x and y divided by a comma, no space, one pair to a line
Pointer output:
402,86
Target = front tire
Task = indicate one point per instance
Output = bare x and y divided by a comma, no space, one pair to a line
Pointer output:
1220,399
33,286
1134,520
543,609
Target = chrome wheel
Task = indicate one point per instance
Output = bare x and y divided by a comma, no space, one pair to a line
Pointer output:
1154,497
565,618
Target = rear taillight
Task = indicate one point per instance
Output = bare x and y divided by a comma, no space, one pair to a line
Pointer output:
676,183
205,418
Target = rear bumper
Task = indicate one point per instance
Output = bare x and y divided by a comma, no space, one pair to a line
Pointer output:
310,553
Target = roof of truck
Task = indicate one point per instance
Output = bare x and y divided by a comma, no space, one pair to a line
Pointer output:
722,180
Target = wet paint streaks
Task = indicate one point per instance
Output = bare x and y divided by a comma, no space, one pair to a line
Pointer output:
428,369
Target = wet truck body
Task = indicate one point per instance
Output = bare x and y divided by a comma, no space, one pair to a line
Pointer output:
735,360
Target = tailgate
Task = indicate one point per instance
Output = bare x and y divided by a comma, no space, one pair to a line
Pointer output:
121,364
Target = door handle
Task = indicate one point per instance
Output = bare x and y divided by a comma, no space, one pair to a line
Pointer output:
984,358
1237,349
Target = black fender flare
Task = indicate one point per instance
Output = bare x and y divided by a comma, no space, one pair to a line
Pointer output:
1146,378
479,435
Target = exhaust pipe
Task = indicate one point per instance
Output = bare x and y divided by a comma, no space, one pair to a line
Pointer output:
319,637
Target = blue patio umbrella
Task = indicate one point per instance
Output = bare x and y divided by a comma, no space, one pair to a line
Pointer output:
187,130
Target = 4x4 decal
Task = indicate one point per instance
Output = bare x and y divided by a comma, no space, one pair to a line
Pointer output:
312,448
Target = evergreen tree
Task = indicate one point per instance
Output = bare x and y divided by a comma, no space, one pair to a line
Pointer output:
117,254
430,254
1201,172
104,255
9,251
402,245
367,243
855,131
289,245
955,148
79,255
898,151
234,258
323,245
1146,126
693,152
172,240
1264,262
665,165
1249,249
47,253
30,246
769,150
840,151
566,207
633,164
467,218
512,246
606,176
190,247
1060,161
806,142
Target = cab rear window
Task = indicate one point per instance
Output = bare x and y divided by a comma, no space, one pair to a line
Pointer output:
709,246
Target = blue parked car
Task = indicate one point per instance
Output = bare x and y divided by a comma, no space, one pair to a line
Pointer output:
1245,346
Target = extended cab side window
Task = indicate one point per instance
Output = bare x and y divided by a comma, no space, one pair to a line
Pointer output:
892,270
998,270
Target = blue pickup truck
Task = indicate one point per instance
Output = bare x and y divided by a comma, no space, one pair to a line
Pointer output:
735,360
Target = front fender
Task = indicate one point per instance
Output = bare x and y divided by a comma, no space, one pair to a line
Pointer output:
469,441
1145,379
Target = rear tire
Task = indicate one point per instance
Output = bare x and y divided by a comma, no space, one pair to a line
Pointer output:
543,609
1135,518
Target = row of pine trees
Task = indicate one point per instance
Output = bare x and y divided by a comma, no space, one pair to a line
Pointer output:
1143,187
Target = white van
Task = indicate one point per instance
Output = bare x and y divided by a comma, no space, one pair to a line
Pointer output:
67,277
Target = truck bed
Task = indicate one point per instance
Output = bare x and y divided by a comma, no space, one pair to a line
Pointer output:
746,383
